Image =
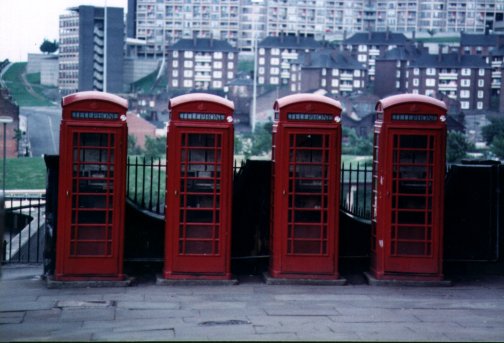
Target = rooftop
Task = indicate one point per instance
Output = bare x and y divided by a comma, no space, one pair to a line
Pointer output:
451,60
202,44
289,42
377,38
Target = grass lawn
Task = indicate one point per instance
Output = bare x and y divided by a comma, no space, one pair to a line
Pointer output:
17,89
25,173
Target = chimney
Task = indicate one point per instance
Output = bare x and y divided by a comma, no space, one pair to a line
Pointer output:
307,58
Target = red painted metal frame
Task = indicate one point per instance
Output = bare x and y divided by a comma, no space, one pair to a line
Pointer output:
305,204
408,188
92,181
200,148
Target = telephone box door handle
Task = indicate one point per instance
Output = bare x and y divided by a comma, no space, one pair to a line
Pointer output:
176,193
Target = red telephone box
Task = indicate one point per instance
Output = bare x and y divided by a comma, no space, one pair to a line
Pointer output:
91,199
199,185
306,153
408,188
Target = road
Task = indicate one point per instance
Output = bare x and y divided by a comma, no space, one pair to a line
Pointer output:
43,129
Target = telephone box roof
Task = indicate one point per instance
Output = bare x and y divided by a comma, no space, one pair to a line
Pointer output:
302,97
408,98
94,95
199,97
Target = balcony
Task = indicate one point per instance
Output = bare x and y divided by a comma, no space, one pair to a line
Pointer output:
450,86
346,76
202,77
448,76
374,52
202,68
203,58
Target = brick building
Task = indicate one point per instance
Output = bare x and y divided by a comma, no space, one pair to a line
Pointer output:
201,63
330,69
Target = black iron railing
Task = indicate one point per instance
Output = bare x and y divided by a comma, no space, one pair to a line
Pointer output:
24,235
146,183
355,189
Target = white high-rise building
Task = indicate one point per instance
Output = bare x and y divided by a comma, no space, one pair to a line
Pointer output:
162,22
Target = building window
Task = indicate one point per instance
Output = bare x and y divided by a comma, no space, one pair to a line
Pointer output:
479,105
230,75
465,83
230,55
175,73
261,70
275,61
261,60
430,71
430,82
362,48
480,95
464,105
481,83
335,72
188,54
175,64
188,83
464,94
275,51
415,91
335,82
356,83
175,54
481,72
260,80
397,85
275,71
175,83
230,65
217,84
188,73
398,73
217,74
323,82
217,65
398,64
356,73
217,55
361,58
274,80
261,51
324,71
188,64
415,82
466,72
416,71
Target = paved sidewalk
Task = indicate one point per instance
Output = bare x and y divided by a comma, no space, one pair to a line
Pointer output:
471,310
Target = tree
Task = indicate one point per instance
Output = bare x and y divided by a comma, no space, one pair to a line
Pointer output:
133,148
457,146
494,136
355,144
155,147
261,141
48,47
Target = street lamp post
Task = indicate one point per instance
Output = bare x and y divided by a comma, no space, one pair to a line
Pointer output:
4,120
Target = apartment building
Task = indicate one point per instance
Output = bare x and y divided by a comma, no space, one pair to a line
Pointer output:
465,78
276,54
391,69
438,15
162,22
201,63
82,50
367,46
334,71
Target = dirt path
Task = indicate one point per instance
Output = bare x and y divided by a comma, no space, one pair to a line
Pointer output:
29,87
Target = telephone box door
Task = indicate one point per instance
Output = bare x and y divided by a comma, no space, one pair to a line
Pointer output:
92,234
307,204
199,215
414,201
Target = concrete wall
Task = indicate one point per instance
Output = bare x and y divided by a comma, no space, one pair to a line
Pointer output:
135,68
49,71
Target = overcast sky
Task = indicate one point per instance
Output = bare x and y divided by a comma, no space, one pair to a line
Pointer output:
25,23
